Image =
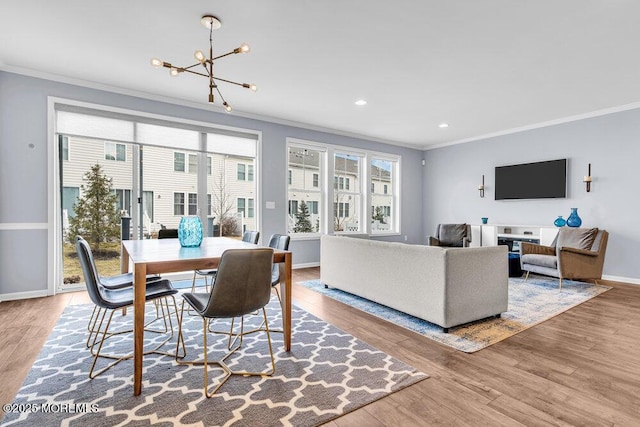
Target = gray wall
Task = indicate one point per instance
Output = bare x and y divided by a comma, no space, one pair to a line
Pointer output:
611,143
23,170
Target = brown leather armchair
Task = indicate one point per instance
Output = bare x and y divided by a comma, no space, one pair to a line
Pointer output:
452,235
576,253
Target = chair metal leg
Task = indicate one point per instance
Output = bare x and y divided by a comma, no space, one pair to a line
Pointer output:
221,363
560,284
526,277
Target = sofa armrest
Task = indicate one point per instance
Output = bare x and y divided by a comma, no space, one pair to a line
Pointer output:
578,251
433,241
532,248
466,241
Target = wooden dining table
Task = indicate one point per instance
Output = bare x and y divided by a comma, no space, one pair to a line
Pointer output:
157,256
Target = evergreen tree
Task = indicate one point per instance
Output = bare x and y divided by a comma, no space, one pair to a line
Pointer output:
97,218
379,215
303,224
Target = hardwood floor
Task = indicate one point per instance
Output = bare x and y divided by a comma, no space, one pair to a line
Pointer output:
579,368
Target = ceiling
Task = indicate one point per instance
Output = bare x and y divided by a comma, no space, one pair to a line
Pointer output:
483,67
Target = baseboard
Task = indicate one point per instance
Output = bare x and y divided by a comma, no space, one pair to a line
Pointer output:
629,280
306,265
23,295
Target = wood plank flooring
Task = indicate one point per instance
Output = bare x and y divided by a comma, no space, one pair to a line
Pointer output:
579,368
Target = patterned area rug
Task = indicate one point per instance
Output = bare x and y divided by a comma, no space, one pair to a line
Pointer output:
327,374
530,303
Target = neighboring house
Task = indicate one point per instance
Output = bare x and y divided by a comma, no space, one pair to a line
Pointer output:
169,181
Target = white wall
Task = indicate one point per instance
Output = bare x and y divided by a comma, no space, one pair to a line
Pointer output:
611,143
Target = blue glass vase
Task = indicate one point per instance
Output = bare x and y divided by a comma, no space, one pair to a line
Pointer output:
190,231
574,220
560,222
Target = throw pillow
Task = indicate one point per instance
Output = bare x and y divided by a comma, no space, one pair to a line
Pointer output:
452,234
580,238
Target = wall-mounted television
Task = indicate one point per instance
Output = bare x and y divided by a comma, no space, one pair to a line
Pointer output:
539,180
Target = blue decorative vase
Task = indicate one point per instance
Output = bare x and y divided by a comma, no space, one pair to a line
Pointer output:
190,231
574,220
560,222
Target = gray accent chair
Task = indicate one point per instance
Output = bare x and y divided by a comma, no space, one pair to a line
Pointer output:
451,235
108,300
575,253
248,236
242,286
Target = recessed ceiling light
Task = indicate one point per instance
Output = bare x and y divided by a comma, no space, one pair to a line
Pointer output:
443,125
360,102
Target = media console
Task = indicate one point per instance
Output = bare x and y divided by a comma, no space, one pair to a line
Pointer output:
511,235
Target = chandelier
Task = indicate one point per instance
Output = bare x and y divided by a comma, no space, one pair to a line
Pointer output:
212,23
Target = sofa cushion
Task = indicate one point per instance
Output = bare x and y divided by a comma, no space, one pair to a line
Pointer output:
452,234
550,261
579,238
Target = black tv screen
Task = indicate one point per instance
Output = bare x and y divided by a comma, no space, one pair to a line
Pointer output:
540,180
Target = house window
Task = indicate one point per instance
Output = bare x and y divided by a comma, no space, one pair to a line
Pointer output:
384,200
240,206
123,200
347,198
209,204
147,204
249,172
241,172
193,163
305,192
289,177
193,204
208,165
249,208
115,151
178,203
64,147
178,162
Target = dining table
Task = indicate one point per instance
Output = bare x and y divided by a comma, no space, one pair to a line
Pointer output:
159,256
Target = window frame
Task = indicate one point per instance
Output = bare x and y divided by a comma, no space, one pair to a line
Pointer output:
178,204
391,189
115,146
328,186
184,161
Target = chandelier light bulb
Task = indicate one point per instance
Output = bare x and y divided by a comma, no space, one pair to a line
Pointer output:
227,107
173,71
253,87
156,62
244,48
199,55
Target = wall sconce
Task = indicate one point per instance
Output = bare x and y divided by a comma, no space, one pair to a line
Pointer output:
481,187
587,179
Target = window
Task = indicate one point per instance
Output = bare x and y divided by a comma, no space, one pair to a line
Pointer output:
193,204
305,192
69,199
114,151
240,206
193,163
178,203
383,196
249,208
209,204
347,198
123,200
249,172
241,172
178,162
64,149
147,204
208,165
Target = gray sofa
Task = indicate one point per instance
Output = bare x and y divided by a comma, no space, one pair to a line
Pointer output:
445,286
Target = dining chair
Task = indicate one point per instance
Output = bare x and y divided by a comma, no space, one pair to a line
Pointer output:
242,285
276,241
111,300
248,236
119,281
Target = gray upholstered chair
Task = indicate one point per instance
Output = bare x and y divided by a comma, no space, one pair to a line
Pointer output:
242,286
248,236
575,253
110,300
452,235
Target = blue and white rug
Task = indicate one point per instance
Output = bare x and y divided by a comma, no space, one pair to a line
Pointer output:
530,302
326,374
